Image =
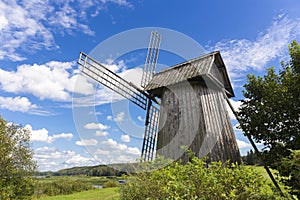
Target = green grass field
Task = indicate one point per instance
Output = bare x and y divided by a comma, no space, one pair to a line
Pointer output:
96,194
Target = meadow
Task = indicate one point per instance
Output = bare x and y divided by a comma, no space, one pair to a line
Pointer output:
109,192
94,194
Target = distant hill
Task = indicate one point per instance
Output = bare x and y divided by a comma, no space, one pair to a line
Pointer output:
99,170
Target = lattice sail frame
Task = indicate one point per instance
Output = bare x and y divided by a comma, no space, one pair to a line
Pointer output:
151,58
101,74
106,77
150,135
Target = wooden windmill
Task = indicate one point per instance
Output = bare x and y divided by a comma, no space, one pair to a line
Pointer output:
192,101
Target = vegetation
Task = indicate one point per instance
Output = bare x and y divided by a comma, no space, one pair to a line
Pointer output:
270,114
60,186
251,158
16,163
110,183
197,180
100,170
96,194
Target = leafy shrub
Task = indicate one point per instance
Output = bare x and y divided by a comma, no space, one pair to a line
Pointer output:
197,180
289,167
60,186
110,183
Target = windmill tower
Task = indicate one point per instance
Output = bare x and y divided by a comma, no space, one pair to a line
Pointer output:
192,101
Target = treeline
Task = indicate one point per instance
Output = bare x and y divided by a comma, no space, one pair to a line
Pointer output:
100,170
252,158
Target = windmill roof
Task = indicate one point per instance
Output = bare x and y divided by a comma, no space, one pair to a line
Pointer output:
209,67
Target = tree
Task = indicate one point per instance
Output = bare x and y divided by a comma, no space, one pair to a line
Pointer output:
270,112
16,163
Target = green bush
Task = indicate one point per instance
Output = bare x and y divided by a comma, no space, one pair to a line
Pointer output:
110,183
197,180
289,168
60,186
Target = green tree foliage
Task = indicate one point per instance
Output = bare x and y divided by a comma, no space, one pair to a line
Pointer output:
16,164
251,158
197,180
270,112
290,168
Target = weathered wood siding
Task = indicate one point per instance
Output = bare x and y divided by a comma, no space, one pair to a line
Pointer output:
195,116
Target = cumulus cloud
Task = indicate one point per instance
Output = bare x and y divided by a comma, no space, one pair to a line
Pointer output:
119,117
125,138
89,142
18,103
21,104
102,133
53,159
96,126
42,135
241,55
53,80
111,151
32,23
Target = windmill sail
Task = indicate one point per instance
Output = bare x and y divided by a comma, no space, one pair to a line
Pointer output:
101,74
151,58
149,143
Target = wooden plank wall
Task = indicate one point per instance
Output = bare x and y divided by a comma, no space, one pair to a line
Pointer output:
195,116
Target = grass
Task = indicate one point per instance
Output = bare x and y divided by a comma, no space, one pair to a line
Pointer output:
96,194
261,170
85,179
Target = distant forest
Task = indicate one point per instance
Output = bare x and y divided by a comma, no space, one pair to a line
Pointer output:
99,170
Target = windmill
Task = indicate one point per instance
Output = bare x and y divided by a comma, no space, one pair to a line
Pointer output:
203,110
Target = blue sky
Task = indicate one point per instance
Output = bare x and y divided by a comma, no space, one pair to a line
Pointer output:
41,41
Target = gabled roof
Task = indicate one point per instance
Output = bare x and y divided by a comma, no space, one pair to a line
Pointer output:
208,67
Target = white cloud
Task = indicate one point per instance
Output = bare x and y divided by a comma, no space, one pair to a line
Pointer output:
109,117
53,80
32,23
125,138
132,75
242,144
96,126
120,117
89,142
235,105
241,55
102,133
111,151
22,27
102,152
114,145
21,104
95,113
140,118
42,135
52,159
